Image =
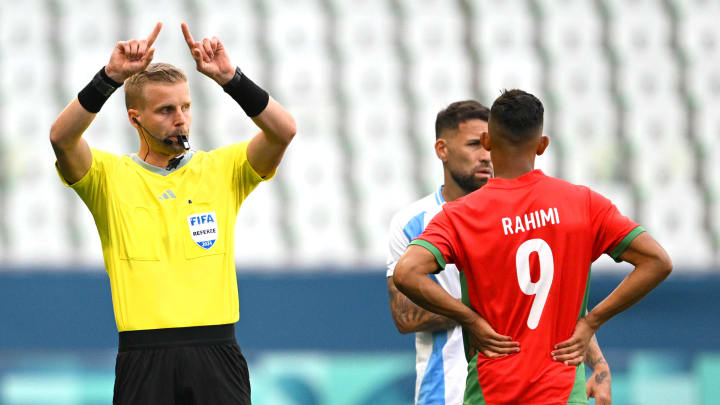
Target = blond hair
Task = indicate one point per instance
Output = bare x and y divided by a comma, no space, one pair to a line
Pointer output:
156,73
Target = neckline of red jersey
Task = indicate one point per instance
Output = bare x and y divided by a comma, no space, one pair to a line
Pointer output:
521,181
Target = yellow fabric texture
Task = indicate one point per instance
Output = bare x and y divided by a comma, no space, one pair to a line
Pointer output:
160,276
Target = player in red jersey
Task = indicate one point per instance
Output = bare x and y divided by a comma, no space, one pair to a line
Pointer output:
525,242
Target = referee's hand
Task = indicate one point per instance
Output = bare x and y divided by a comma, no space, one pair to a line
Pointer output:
211,58
130,57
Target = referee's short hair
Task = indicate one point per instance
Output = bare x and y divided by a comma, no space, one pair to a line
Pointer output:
459,112
156,73
517,116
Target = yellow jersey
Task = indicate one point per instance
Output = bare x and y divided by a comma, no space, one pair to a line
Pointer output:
168,237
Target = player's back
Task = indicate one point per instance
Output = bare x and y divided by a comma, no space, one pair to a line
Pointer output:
526,246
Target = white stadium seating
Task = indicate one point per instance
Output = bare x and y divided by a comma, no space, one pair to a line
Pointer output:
631,91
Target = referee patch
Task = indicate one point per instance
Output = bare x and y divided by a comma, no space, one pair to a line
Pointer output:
203,229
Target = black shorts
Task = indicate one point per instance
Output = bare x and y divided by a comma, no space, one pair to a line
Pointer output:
181,366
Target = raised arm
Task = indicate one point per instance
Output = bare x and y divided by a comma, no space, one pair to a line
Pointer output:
277,126
411,278
71,150
652,266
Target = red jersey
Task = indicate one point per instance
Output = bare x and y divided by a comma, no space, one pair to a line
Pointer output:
525,247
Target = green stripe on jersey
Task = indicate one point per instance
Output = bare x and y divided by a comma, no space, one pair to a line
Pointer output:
473,391
623,245
435,251
578,395
583,307
474,394
465,297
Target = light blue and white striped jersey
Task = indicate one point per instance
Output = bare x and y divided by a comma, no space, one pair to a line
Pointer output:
440,361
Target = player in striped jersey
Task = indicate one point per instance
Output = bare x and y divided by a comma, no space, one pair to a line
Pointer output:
441,362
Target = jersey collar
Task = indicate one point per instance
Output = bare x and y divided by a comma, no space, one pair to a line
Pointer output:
159,170
438,195
530,177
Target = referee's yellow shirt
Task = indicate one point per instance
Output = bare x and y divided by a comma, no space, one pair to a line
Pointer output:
167,239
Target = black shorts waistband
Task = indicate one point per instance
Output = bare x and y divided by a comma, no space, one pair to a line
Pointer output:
190,336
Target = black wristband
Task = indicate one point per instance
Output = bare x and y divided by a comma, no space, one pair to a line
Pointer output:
250,96
100,88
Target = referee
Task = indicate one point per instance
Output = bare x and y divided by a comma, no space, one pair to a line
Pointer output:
166,217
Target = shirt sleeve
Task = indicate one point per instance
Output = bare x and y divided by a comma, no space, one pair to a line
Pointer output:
92,187
612,231
244,176
440,239
397,243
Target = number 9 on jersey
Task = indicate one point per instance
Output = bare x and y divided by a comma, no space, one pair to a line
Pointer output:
541,288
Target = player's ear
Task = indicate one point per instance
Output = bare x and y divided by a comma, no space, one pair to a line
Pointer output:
441,149
485,141
544,142
133,115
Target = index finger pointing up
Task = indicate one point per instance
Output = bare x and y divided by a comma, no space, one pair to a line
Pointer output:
188,37
153,35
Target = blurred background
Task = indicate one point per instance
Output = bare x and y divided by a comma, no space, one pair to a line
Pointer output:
631,90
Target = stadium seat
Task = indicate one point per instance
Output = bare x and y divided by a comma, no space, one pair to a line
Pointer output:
677,222
322,231
307,84
376,77
589,146
585,75
697,28
363,29
502,25
638,28
617,116
657,153
573,28
86,41
317,200
296,28
260,241
437,82
35,200
643,83
520,70
382,164
431,27
235,23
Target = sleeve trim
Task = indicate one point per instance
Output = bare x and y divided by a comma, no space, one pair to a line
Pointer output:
253,173
623,245
435,251
85,178
257,177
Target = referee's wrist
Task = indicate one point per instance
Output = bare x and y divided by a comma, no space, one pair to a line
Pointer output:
95,94
113,77
251,97
224,78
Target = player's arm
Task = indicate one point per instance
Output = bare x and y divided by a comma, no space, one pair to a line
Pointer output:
277,126
598,386
409,317
652,266
411,278
71,150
